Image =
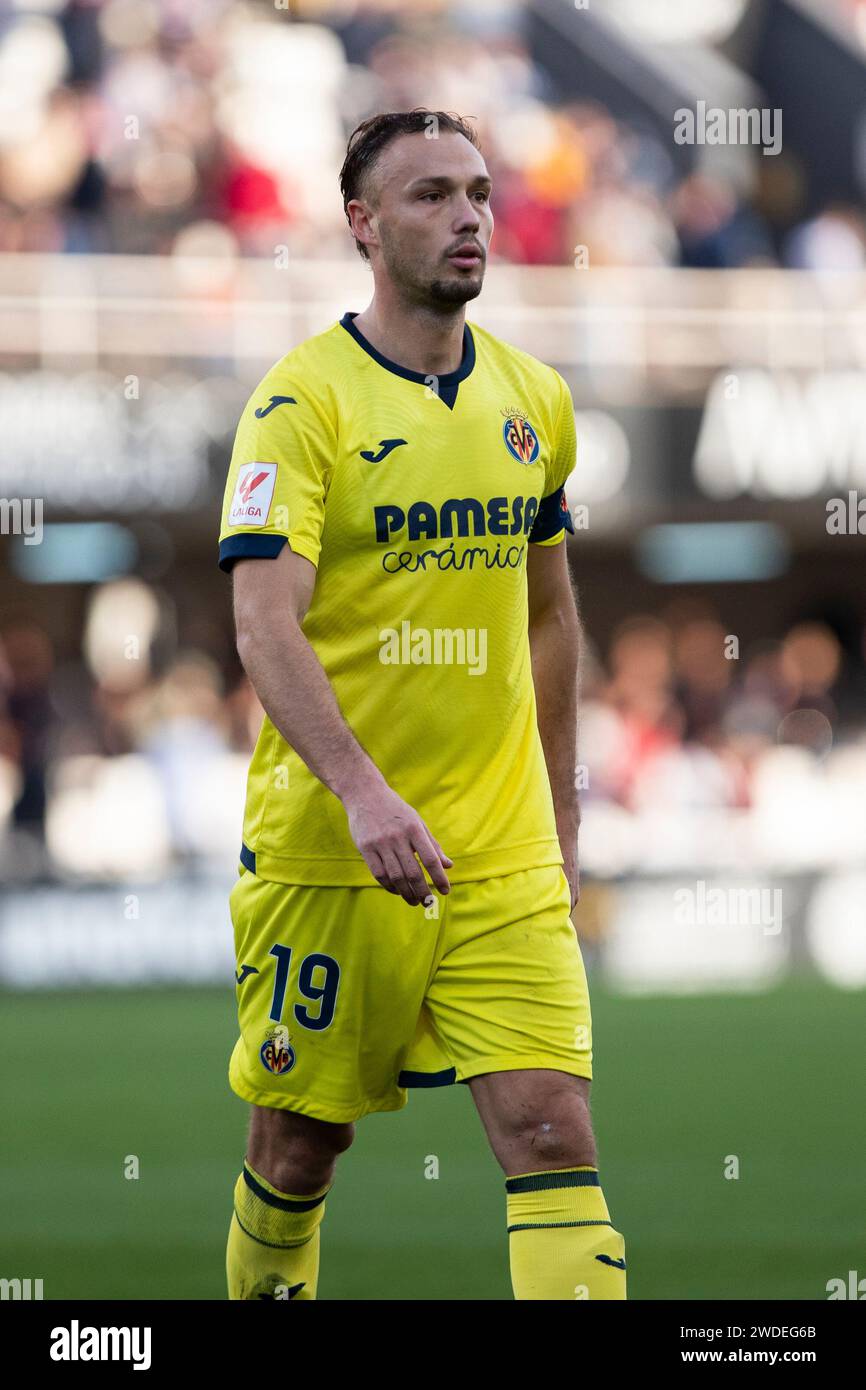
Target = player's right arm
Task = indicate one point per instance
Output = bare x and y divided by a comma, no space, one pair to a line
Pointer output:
270,540
270,600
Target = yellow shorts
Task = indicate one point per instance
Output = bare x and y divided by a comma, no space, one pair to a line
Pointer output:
348,996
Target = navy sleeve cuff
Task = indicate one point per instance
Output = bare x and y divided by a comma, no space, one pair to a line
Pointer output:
249,547
552,517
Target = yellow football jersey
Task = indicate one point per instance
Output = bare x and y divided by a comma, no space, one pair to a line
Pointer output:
415,497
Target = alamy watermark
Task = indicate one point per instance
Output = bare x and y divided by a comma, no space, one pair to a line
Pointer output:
23,1289
846,516
854,1287
438,646
22,516
77,1343
737,126
711,906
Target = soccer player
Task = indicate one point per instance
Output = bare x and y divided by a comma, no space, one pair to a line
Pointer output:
394,521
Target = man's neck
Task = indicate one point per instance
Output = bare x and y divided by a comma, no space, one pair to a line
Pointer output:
413,336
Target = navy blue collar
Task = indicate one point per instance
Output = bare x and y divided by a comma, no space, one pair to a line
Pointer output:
447,382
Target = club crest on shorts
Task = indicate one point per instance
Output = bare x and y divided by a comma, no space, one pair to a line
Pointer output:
521,438
276,1053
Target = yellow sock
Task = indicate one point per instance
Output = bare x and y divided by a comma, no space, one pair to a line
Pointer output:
560,1238
273,1245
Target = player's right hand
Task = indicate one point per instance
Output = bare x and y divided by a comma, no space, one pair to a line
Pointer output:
389,835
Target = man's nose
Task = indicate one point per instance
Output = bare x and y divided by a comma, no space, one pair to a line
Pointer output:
467,218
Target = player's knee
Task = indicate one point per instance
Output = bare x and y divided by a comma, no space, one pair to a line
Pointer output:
296,1153
561,1146
303,1170
559,1135
314,1147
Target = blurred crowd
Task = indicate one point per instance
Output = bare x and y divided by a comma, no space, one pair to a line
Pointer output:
218,127
131,758
215,126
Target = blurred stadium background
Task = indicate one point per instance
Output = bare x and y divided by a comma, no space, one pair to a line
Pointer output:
170,225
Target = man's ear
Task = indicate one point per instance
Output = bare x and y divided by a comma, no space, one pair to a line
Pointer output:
362,221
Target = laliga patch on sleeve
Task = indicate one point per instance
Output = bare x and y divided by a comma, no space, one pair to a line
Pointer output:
254,492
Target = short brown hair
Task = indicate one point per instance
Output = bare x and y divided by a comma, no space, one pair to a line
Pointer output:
369,139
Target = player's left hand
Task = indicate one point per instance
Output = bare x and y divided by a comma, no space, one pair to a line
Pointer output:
573,875
571,869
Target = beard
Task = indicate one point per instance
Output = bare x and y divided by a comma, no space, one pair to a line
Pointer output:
457,291
432,290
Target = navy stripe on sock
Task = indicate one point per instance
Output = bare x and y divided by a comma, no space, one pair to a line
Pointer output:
549,1225
281,1203
271,1244
558,1177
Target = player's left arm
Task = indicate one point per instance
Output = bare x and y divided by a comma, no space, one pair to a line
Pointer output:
554,641
554,633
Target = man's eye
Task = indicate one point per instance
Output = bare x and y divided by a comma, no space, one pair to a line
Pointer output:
431,195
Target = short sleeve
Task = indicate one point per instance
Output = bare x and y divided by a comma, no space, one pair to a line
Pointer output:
279,476
553,518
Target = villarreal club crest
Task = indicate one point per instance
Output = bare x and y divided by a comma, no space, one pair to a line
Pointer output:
521,438
276,1053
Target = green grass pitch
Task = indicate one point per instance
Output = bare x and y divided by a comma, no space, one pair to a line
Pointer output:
775,1079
